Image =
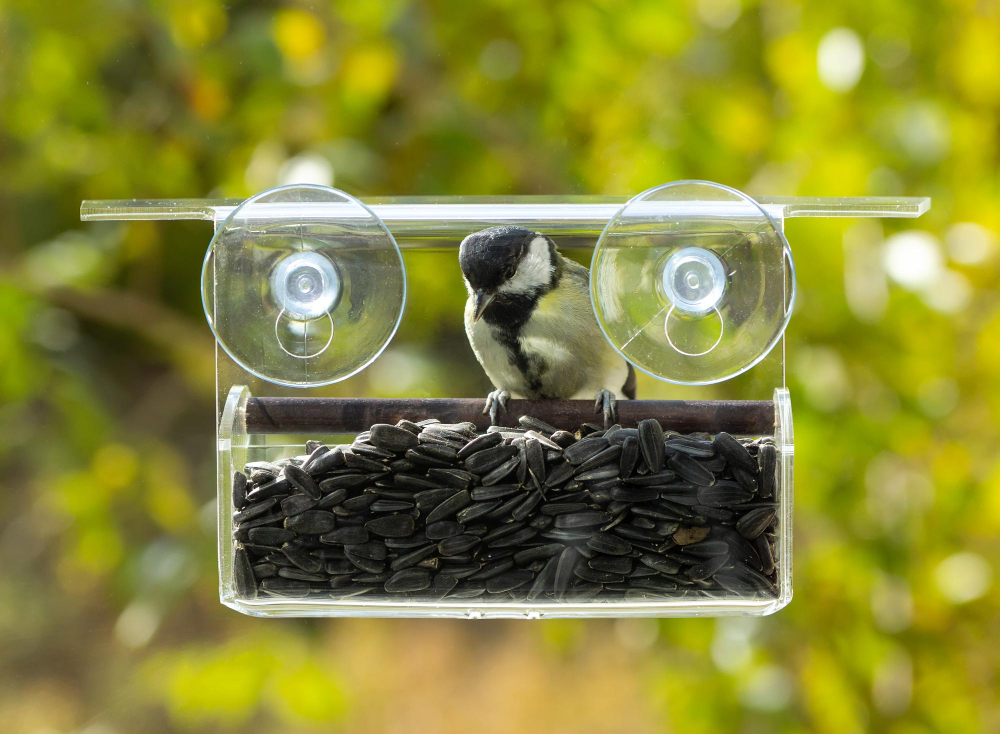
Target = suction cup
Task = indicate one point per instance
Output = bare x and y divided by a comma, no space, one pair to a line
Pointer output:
303,285
692,282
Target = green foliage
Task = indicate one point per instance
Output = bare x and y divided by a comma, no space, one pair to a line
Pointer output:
108,613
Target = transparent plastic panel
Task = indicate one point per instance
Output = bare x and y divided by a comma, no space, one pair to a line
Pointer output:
303,301
693,282
421,520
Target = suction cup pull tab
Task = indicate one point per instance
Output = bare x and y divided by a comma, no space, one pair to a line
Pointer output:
303,285
693,282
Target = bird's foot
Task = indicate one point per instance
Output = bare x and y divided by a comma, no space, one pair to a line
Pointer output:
495,402
606,402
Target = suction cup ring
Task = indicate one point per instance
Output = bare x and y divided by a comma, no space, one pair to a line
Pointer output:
306,284
666,333
305,330
694,280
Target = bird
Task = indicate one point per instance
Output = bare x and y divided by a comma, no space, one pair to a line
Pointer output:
531,325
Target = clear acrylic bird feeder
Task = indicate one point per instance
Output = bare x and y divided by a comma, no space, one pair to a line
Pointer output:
362,506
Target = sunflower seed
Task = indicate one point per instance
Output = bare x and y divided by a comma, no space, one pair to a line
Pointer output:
609,544
583,519
723,493
583,449
651,443
690,470
755,522
444,529
501,471
326,462
735,452
767,456
450,506
243,576
311,522
347,535
413,557
391,526
457,545
706,568
392,438
565,565
409,579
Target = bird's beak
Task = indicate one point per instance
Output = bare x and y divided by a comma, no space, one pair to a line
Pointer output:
483,299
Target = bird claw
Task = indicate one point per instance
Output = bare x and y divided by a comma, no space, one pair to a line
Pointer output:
495,402
606,402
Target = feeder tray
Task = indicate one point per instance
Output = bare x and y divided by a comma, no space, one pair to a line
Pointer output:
332,506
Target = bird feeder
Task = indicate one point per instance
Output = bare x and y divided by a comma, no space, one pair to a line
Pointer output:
364,506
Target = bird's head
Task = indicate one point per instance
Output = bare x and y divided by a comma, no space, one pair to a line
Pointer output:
506,261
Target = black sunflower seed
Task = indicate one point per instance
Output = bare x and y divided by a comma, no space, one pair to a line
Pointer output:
495,492
611,564
690,446
373,549
630,454
444,529
767,456
566,563
243,575
735,452
583,449
745,479
297,503
484,461
755,522
508,581
582,519
413,557
239,490
343,481
451,477
363,463
723,494
690,470
325,462
301,558
558,474
391,526
457,545
587,573
450,506
651,443
428,499
392,438
660,563
347,535
409,579
254,510
311,522
609,544
634,494
705,569
270,536
501,471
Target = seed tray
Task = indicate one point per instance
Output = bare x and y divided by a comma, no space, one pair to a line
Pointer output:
432,517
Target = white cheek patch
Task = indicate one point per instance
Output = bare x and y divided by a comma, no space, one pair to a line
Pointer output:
535,270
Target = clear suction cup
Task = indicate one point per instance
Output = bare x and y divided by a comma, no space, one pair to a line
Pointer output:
693,282
303,285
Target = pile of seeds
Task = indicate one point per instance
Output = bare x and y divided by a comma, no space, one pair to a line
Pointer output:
438,512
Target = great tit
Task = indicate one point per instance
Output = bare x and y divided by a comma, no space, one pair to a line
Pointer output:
531,324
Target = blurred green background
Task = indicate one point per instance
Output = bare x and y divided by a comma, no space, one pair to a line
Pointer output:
109,618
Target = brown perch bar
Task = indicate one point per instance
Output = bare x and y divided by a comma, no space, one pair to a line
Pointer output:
353,415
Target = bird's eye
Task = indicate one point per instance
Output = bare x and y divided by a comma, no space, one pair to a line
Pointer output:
508,273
